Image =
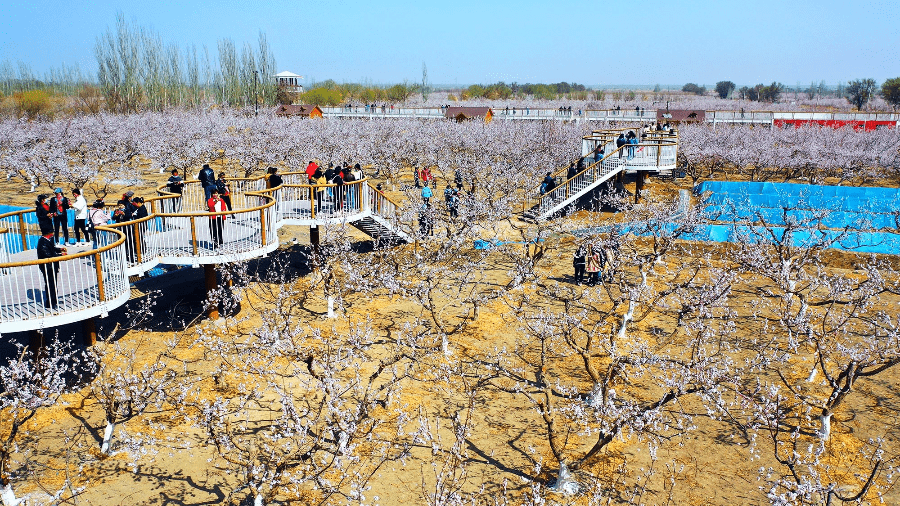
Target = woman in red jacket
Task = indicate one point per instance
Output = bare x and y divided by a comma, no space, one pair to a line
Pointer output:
215,204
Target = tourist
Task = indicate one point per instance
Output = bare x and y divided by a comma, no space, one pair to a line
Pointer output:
224,190
128,207
176,183
571,172
320,181
598,154
47,248
44,214
97,217
338,190
176,186
594,264
578,261
81,214
58,206
426,194
451,199
548,184
427,177
426,220
350,189
310,170
632,142
131,232
621,141
273,180
416,176
458,179
207,180
215,204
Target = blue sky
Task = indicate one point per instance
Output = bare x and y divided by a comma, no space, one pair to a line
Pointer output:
467,41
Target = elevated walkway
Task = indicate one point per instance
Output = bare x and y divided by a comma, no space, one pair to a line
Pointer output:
655,153
179,231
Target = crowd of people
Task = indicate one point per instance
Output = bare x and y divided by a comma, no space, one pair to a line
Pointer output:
592,264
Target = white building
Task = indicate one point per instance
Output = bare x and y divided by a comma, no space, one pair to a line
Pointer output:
289,80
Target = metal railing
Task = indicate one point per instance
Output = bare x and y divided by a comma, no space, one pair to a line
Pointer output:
631,115
178,229
322,203
654,154
49,291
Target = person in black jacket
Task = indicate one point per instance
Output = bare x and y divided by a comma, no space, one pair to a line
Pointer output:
59,204
176,185
621,141
579,261
127,206
224,190
131,233
338,190
274,180
46,248
44,214
207,179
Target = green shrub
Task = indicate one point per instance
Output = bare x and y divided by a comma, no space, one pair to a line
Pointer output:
321,96
32,103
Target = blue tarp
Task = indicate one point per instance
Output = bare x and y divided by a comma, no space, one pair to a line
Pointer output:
782,203
863,242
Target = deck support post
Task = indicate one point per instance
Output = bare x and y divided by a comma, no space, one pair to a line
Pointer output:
638,186
36,344
212,282
89,331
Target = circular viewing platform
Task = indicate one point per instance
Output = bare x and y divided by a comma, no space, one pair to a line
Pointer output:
177,230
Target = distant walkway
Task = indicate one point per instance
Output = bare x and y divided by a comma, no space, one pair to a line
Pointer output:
865,120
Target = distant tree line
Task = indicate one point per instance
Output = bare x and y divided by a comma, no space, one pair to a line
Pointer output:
505,91
858,92
137,70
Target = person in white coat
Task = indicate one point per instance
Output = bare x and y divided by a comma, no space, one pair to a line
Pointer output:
81,214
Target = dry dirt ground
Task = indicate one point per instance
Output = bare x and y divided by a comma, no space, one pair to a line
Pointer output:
710,464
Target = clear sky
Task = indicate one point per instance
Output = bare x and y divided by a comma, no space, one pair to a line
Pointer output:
466,41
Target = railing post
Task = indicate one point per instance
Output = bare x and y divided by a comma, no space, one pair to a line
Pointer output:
364,197
313,194
137,242
262,226
98,267
194,235
22,231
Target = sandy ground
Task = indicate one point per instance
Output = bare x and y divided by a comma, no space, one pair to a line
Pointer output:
710,464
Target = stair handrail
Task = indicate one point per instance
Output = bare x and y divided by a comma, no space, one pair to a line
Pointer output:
565,168
531,201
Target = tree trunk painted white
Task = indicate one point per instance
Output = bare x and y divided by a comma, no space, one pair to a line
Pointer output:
9,498
565,483
812,374
107,437
445,346
825,429
626,318
258,500
330,299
